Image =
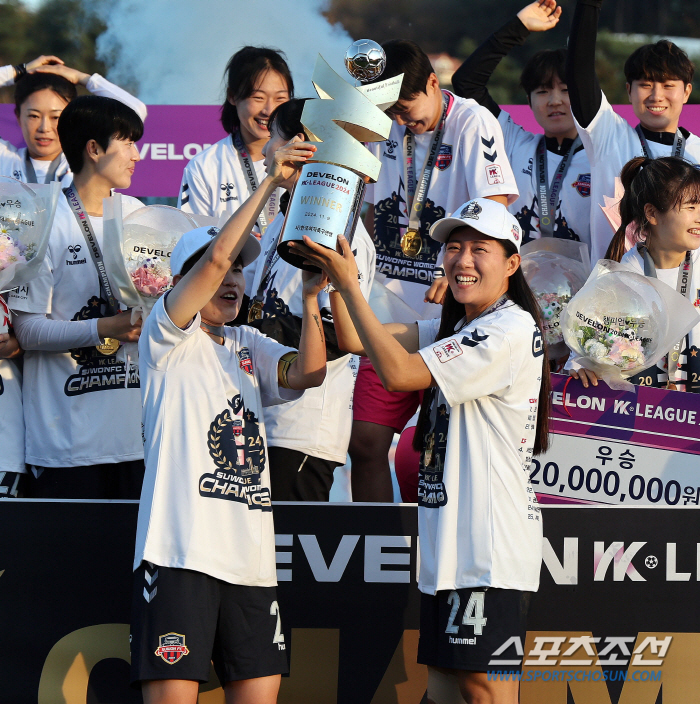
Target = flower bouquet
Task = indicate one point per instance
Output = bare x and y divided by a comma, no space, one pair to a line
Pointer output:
26,216
620,322
555,270
137,251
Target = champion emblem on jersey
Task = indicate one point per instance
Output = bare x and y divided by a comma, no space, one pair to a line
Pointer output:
444,157
172,648
582,184
494,175
537,343
237,428
471,210
244,361
447,351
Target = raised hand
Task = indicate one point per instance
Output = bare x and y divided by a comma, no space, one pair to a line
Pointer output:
70,74
42,61
540,16
286,159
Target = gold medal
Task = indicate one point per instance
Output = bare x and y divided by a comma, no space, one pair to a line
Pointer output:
255,311
108,347
411,243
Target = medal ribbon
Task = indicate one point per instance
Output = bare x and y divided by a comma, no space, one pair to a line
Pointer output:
548,194
83,219
249,170
685,276
50,175
270,261
416,195
678,143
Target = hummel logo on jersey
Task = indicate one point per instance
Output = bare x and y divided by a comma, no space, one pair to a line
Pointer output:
489,156
476,339
471,210
74,249
391,144
228,187
447,351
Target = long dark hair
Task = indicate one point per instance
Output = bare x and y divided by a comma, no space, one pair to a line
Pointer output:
452,312
242,73
31,83
664,183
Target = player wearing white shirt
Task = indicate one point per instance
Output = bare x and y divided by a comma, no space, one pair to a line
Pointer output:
308,438
82,406
485,371
442,150
12,467
566,175
219,179
204,583
661,212
44,87
659,78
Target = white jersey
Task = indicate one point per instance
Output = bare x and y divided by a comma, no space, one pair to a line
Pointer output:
471,163
11,418
611,142
80,407
478,518
319,423
13,159
205,503
573,214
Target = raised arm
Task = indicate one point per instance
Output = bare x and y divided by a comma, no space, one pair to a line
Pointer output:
197,287
582,82
96,84
471,78
398,369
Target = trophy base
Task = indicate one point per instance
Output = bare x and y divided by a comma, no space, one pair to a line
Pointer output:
294,258
326,202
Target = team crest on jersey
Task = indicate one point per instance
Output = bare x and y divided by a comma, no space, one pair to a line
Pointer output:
582,184
515,231
447,351
238,452
537,343
244,361
471,210
444,157
494,175
172,648
696,302
212,231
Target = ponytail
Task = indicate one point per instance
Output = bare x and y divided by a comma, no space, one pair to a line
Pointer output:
664,183
452,312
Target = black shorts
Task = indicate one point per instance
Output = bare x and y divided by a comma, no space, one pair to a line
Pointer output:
461,629
181,621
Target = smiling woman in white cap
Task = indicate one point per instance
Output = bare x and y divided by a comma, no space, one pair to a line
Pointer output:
483,419
204,582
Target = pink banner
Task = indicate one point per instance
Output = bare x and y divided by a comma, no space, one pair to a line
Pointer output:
175,133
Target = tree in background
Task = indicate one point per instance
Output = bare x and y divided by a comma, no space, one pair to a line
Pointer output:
458,26
65,28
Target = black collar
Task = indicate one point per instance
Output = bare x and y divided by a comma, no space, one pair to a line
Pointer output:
559,149
664,137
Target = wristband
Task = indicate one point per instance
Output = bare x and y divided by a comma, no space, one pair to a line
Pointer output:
20,70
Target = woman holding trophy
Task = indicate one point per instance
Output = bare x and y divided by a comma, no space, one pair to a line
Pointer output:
485,369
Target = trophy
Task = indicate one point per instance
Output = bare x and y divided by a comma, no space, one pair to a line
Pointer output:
328,195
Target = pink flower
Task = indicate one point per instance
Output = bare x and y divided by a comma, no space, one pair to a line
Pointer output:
627,354
151,278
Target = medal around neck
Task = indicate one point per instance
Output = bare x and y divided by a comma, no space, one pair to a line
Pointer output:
328,195
26,216
137,251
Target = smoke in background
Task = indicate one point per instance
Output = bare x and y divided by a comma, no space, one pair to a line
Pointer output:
175,51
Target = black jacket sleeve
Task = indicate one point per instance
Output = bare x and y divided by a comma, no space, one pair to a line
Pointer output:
584,90
470,79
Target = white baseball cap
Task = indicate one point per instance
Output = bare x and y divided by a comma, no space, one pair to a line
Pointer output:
194,241
486,216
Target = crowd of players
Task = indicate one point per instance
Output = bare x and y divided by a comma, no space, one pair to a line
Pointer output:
75,421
